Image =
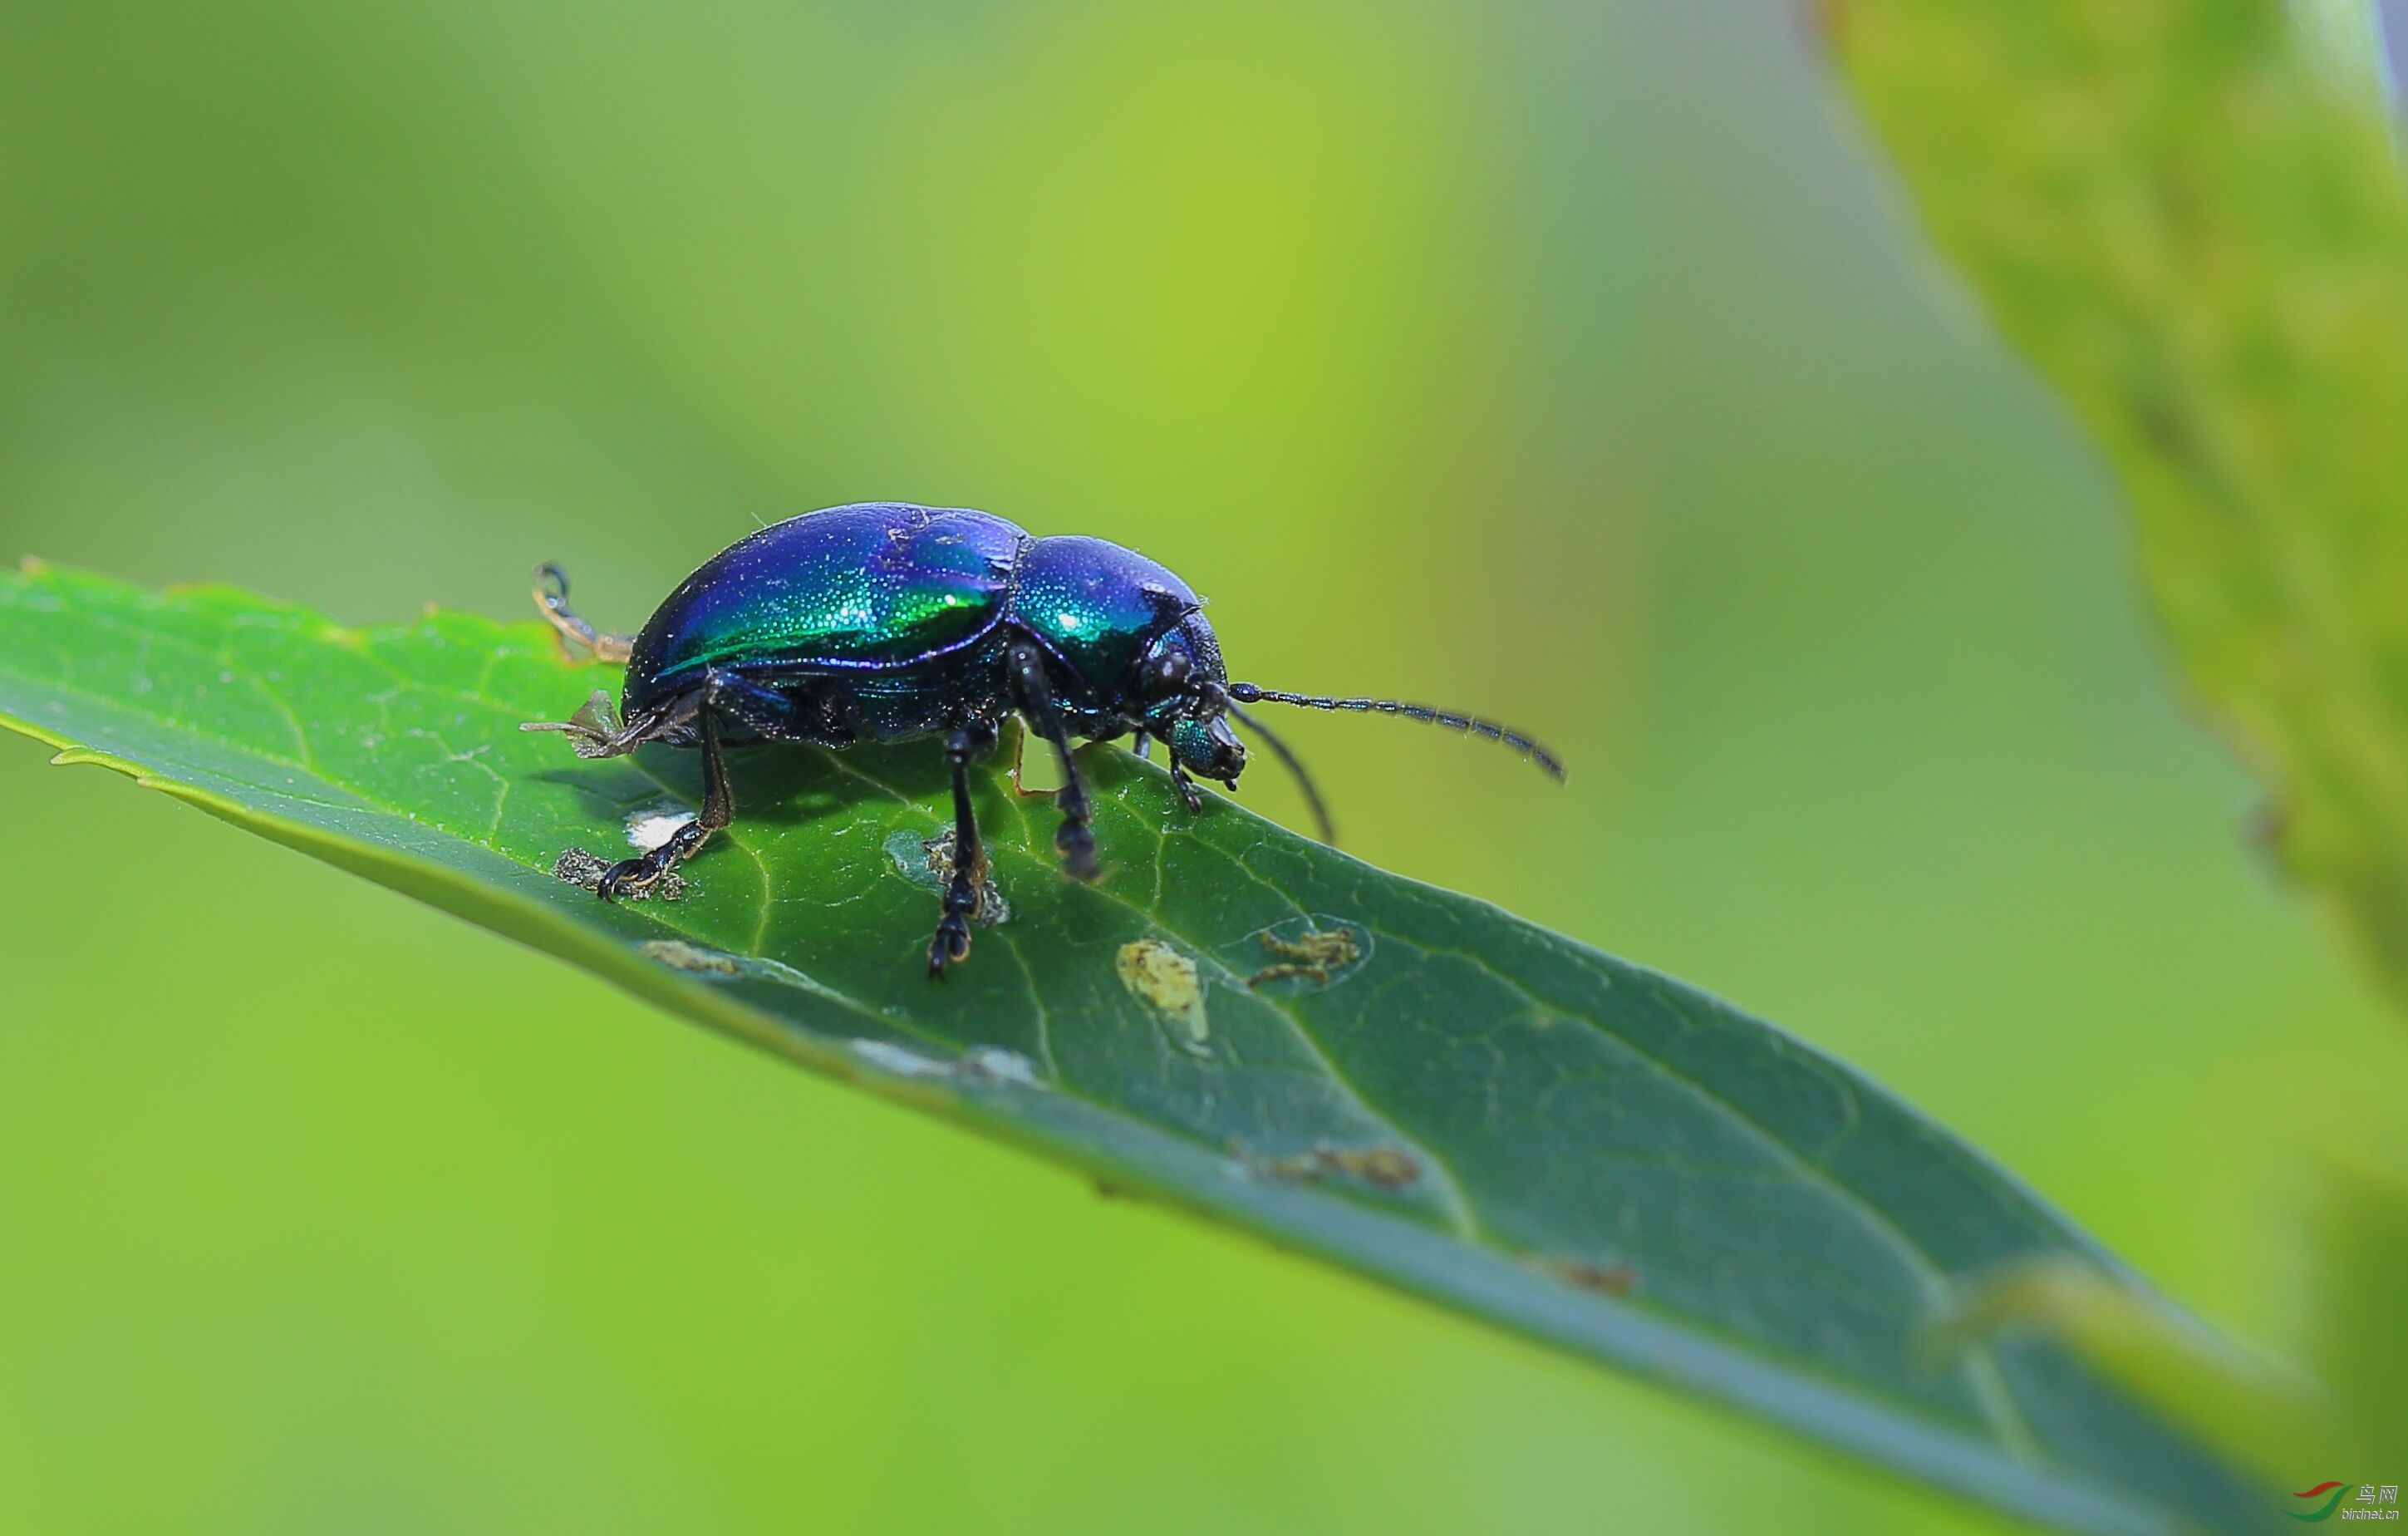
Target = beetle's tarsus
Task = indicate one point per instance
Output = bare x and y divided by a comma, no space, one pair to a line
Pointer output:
961,901
576,635
630,875
951,946
1076,843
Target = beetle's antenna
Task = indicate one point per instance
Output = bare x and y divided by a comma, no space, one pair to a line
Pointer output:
1295,764
551,601
1246,693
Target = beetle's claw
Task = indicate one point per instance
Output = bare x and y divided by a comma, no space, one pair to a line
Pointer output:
951,946
629,875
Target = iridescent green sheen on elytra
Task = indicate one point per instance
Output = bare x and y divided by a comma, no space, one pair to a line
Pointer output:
885,621
853,589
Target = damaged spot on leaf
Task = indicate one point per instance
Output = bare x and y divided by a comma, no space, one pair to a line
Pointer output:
680,955
994,1064
1314,952
899,1059
1033,774
720,965
928,863
1165,981
1381,1167
655,824
1617,1279
987,1064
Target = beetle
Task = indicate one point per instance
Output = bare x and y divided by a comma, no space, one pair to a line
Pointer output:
887,621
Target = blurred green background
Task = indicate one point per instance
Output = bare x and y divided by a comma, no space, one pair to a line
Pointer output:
1564,361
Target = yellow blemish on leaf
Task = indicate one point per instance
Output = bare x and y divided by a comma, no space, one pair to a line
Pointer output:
1165,981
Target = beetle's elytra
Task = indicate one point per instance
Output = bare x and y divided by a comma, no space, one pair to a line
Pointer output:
885,621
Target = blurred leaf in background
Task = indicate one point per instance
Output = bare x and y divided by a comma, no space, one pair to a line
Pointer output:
1556,359
2193,217
2358,1329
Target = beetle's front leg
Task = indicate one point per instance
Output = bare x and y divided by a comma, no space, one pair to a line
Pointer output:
718,810
1189,795
953,940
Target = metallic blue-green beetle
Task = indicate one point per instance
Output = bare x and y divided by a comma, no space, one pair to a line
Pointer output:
885,621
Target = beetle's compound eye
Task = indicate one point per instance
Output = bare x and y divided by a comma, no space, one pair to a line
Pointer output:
1167,673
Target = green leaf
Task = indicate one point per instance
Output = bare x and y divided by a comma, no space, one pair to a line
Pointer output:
2258,1412
2190,214
1467,1107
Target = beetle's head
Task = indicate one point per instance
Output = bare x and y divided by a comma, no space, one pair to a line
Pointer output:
1181,694
1206,748
1183,697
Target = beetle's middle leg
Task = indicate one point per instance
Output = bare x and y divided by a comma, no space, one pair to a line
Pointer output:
718,810
1074,838
952,941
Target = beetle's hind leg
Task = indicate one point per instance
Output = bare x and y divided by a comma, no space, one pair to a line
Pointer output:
551,601
952,941
727,699
628,876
